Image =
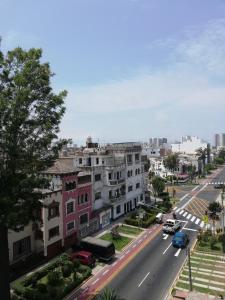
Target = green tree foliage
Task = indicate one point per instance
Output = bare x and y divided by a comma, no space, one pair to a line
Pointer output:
222,153
214,208
107,294
202,154
219,160
30,114
171,162
158,185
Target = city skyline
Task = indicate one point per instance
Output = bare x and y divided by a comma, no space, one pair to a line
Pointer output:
133,69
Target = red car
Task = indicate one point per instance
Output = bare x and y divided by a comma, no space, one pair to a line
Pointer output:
85,258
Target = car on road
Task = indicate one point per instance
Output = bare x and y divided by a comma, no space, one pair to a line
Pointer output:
180,239
171,226
84,257
218,186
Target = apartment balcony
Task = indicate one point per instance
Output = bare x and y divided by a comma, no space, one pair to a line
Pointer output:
117,198
115,182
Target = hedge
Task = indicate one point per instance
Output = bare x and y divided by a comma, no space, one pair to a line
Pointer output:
146,223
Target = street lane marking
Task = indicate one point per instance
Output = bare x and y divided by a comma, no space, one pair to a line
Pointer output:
121,257
188,217
143,279
96,280
165,236
184,215
195,188
183,197
127,251
181,212
106,271
190,229
177,253
202,224
114,264
193,218
175,208
167,248
197,221
134,246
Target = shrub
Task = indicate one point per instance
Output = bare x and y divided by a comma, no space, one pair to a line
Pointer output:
149,221
41,287
54,278
132,222
53,292
76,264
67,269
31,294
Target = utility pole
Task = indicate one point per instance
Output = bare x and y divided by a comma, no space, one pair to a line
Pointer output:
222,198
189,268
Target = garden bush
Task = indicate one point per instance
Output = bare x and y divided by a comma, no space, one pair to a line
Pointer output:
132,222
41,287
76,264
54,278
67,269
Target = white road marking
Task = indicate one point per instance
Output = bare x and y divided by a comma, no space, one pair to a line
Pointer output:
175,208
202,224
178,252
106,271
165,236
178,210
197,221
114,264
188,217
121,257
95,281
143,279
134,246
184,215
195,188
181,212
189,229
183,197
193,218
127,251
167,248
145,236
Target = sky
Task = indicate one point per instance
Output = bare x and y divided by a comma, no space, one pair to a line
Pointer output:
133,69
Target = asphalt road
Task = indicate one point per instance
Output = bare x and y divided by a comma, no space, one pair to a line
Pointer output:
151,273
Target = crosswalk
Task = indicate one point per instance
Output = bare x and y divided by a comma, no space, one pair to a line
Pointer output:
191,217
216,183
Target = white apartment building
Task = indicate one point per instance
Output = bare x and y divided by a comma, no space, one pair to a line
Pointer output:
219,140
189,145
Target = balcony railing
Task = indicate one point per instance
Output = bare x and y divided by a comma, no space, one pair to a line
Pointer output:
115,182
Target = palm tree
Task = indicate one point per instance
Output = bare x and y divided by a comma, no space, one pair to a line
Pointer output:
108,294
202,154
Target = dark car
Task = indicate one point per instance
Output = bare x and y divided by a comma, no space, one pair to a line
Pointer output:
218,186
180,240
84,257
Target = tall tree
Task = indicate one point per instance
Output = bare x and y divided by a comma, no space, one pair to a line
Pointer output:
30,114
158,185
202,154
171,162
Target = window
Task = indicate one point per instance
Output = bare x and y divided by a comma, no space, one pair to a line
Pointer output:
137,185
53,232
131,172
83,218
103,162
118,175
70,226
137,157
53,211
110,194
130,188
118,209
128,173
70,186
97,160
86,198
80,161
69,208
97,177
141,197
21,248
110,176
129,158
98,195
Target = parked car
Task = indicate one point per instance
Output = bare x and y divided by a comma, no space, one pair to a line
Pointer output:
84,257
171,226
159,218
218,186
180,239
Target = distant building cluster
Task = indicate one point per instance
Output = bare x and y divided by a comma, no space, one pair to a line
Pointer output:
188,145
219,140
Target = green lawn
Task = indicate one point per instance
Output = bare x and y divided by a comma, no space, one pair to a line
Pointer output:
129,230
119,243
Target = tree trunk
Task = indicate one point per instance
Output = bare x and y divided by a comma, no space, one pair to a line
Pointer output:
4,264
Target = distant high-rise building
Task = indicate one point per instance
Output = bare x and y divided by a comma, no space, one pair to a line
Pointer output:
157,142
219,140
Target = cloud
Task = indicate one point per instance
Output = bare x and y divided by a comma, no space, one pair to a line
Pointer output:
187,81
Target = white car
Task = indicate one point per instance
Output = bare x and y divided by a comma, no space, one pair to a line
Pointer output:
171,226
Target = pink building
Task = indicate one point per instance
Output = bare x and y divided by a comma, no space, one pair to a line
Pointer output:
76,205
